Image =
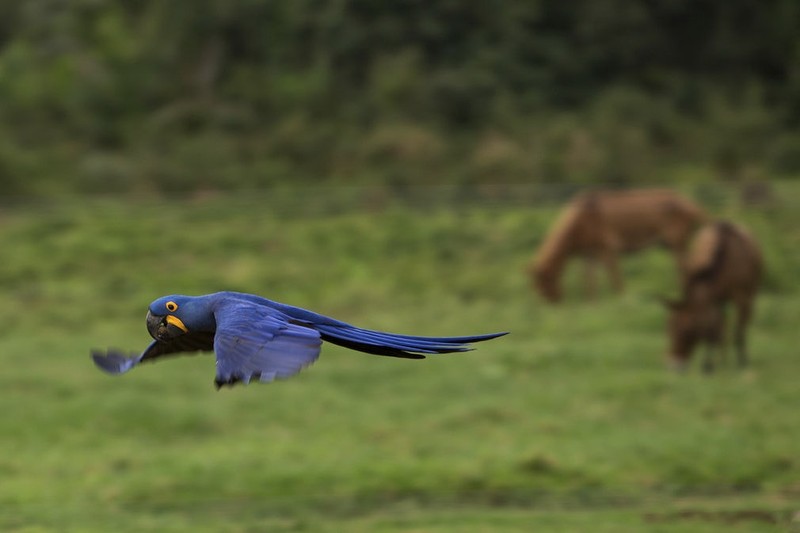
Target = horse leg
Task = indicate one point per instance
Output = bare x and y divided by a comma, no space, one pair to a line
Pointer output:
610,260
680,266
721,329
589,277
715,339
744,310
708,361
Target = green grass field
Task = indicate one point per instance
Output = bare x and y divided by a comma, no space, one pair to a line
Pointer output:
570,423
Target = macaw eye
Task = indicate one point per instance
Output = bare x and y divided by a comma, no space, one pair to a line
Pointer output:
172,306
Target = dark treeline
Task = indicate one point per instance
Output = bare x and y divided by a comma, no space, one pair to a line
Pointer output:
151,95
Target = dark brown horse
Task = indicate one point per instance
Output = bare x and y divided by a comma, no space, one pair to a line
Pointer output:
600,226
722,265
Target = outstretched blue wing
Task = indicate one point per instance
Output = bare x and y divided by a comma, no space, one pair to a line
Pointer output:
116,362
256,342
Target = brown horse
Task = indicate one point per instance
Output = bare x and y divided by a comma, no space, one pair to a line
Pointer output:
600,226
723,264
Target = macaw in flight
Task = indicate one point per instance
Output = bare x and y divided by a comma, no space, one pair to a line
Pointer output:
257,338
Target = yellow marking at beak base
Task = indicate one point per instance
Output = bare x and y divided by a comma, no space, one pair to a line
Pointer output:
175,321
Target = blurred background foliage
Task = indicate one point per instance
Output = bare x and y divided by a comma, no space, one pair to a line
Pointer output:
155,97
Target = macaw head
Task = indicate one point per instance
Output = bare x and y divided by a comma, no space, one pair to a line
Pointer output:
171,316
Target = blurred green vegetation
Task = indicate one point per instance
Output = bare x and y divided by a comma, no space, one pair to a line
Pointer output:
570,423
149,96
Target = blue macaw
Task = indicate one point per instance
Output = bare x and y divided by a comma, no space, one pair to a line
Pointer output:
256,338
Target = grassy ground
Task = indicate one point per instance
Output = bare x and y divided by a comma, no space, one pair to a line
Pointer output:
571,423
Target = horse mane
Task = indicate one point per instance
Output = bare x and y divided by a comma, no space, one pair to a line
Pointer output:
714,258
559,239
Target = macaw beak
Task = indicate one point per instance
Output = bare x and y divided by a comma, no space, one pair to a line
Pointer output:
164,328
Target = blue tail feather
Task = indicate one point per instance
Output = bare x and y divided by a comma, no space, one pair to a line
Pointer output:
394,340
396,345
362,337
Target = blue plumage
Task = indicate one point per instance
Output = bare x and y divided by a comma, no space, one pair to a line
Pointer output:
256,338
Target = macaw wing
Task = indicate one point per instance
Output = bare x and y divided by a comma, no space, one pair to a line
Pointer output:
116,362
255,342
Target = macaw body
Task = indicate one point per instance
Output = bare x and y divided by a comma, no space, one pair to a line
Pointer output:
257,338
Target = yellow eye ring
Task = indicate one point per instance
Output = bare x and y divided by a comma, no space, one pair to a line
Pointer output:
172,306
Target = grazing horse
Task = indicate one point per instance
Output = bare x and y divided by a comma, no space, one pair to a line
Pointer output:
599,226
723,264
